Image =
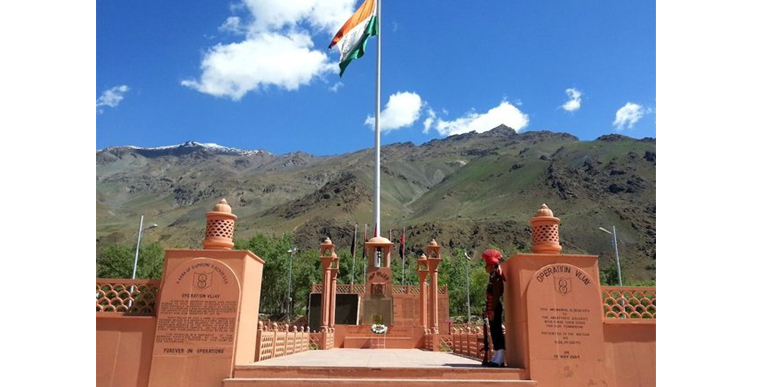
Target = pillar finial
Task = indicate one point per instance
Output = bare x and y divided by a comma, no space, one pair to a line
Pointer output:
220,227
545,232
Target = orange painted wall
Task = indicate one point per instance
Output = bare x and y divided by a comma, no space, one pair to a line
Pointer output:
124,346
630,350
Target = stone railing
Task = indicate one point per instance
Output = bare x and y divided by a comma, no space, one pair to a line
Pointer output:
323,339
126,296
468,341
360,289
279,340
428,340
638,302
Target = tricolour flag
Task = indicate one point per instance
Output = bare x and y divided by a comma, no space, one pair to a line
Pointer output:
351,39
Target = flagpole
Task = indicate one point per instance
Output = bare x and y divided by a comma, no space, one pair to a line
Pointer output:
402,253
364,263
377,193
354,254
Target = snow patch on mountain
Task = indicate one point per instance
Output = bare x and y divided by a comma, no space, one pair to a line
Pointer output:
193,145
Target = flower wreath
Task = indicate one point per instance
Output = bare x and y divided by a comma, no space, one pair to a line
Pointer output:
379,328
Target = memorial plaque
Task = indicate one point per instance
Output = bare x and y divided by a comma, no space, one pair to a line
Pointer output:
564,317
377,311
346,309
196,325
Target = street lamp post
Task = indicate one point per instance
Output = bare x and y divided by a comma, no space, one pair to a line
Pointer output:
137,248
137,245
289,291
467,284
615,247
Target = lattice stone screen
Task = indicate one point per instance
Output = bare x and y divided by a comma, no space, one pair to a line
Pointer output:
629,302
130,297
360,289
545,232
223,228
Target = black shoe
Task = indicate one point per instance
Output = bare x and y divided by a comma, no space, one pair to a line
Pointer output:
491,364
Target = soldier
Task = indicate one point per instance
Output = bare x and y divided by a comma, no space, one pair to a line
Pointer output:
494,291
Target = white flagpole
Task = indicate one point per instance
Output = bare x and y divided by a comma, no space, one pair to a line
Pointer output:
354,255
377,193
402,253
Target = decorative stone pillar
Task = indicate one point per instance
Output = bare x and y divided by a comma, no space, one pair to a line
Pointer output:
545,232
334,267
327,256
421,267
433,258
226,286
220,227
549,286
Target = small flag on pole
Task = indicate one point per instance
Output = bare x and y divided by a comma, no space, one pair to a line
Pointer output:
354,242
402,245
364,258
364,246
351,39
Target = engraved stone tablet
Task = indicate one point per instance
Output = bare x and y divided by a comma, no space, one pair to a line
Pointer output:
196,325
564,317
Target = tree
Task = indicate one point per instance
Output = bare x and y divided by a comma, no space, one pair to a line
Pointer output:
609,275
275,275
116,261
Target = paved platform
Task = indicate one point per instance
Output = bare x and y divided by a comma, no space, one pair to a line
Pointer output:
371,358
351,367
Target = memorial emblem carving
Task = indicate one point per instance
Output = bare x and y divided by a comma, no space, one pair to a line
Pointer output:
379,290
563,285
203,280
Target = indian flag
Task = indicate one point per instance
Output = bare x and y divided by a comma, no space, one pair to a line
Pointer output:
352,37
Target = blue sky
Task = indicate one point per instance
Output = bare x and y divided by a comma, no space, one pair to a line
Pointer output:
256,74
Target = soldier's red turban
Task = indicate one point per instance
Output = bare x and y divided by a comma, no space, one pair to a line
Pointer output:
491,256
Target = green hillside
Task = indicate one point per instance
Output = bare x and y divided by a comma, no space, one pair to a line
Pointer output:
468,191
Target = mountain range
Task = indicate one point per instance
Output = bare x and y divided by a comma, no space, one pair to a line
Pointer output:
472,190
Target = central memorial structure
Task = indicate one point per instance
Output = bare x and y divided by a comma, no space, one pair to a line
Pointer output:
377,299
409,311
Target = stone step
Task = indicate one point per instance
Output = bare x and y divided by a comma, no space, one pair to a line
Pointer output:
370,341
373,382
437,373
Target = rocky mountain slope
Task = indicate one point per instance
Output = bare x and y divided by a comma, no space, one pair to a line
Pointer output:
470,190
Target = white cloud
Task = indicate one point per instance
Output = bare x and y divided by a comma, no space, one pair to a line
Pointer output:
575,100
431,116
112,97
233,25
277,47
629,115
504,113
334,88
402,110
273,15
234,69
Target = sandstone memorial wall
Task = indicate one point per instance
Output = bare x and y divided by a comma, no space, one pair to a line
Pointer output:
199,324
